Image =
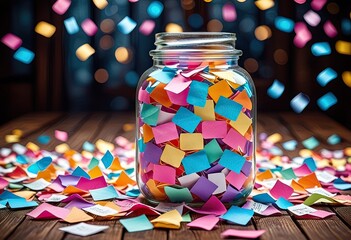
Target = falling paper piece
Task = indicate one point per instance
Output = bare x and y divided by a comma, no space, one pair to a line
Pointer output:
321,49
71,25
155,9
343,47
299,102
12,41
206,222
136,224
89,27
24,55
312,18
327,101
284,24
45,29
242,233
229,12
303,35
126,25
318,4
100,4
330,29
84,229
264,4
61,6
327,75
84,52
147,27
276,89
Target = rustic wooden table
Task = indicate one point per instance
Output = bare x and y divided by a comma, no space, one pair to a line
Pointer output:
90,127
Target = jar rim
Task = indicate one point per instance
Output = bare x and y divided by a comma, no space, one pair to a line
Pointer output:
211,44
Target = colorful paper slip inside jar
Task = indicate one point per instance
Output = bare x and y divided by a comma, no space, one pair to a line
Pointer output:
196,118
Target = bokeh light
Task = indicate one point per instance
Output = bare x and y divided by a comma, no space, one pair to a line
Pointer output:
155,9
107,25
106,42
188,4
214,25
83,76
123,55
119,103
251,65
173,27
132,78
195,20
263,32
333,8
101,75
111,10
247,25
280,56
346,77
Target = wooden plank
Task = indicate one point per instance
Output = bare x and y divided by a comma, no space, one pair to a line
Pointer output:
68,123
29,124
113,127
9,220
329,228
199,234
35,229
156,234
332,227
279,227
344,213
88,130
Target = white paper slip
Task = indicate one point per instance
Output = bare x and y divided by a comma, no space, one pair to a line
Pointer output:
84,229
4,152
100,210
301,209
37,185
256,207
166,207
219,180
321,191
19,149
325,177
55,198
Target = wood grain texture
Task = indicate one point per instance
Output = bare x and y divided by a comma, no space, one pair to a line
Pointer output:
107,126
29,124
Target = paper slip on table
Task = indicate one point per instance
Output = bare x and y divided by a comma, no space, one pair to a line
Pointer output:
14,224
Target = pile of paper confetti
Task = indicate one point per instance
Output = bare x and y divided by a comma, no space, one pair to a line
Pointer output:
93,185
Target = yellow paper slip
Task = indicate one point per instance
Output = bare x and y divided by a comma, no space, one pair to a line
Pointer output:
95,172
25,194
77,215
45,29
207,112
241,124
172,156
191,141
169,219
221,88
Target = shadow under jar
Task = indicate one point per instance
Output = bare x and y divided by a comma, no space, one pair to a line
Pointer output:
196,121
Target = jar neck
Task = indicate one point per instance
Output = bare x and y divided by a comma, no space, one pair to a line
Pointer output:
217,49
194,63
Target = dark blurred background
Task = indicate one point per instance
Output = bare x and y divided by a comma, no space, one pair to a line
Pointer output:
56,80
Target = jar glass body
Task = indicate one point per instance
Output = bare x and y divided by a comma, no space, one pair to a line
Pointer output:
195,122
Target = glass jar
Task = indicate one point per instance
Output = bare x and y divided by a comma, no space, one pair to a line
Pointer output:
195,121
